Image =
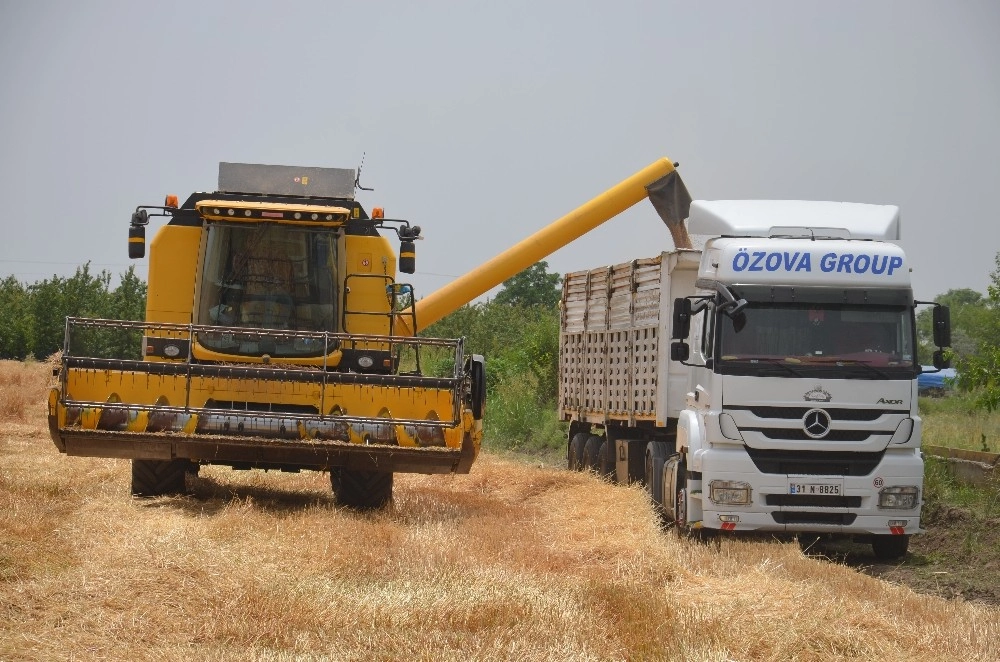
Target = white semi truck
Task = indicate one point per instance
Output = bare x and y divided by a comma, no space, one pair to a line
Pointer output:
766,382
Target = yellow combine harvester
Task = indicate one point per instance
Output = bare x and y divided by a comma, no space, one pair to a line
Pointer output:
277,336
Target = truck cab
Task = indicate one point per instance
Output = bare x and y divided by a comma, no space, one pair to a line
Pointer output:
801,412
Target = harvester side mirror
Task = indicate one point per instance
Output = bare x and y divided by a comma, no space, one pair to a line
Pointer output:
679,351
682,320
407,256
942,327
136,242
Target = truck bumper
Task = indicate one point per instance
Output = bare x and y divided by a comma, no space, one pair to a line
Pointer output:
775,507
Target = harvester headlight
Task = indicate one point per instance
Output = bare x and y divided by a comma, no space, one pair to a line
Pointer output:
366,361
901,497
731,492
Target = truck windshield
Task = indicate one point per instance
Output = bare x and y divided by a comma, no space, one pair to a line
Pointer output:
265,276
853,340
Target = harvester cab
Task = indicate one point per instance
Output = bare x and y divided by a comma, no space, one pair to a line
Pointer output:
276,336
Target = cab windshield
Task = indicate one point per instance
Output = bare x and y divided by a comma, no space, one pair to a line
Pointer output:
854,339
268,276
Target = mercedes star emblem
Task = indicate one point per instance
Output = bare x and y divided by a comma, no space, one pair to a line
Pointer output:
816,423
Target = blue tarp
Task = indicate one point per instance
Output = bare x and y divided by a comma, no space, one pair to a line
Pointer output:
936,380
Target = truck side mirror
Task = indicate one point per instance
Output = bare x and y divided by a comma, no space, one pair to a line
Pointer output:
942,327
682,322
679,351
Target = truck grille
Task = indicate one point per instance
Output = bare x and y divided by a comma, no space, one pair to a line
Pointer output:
793,434
813,501
815,463
841,519
836,413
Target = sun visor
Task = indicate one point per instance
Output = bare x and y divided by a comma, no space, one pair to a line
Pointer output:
764,218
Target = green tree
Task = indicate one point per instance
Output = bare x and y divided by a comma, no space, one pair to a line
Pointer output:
534,286
970,322
16,330
979,372
519,336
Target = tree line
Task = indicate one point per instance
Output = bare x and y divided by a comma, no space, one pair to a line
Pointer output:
518,332
33,316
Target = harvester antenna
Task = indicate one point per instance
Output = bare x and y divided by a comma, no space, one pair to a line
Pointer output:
357,179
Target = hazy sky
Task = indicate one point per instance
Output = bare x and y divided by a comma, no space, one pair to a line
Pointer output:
482,122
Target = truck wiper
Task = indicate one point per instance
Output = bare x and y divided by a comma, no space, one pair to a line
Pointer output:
872,370
775,361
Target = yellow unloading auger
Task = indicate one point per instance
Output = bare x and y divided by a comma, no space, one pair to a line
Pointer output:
658,181
270,335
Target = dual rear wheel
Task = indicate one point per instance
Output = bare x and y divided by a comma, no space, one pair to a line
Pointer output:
589,452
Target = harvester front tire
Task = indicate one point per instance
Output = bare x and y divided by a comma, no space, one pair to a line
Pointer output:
361,490
152,478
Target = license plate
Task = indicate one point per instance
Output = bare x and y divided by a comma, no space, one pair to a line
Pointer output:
831,489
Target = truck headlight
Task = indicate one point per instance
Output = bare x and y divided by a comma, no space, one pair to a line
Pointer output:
899,497
730,492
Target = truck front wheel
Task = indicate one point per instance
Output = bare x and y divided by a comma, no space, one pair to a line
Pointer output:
158,477
888,547
362,490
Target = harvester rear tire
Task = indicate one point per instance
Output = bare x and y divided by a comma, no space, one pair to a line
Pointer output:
152,478
361,490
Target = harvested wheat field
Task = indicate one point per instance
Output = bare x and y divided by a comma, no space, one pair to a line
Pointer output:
511,562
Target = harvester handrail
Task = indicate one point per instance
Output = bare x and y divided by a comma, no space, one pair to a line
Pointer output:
311,374
252,331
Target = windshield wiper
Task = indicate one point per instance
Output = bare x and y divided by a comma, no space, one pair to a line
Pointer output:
872,370
774,361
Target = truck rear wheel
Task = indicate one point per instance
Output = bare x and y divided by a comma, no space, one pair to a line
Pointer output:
158,477
592,453
888,548
574,454
606,461
362,490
